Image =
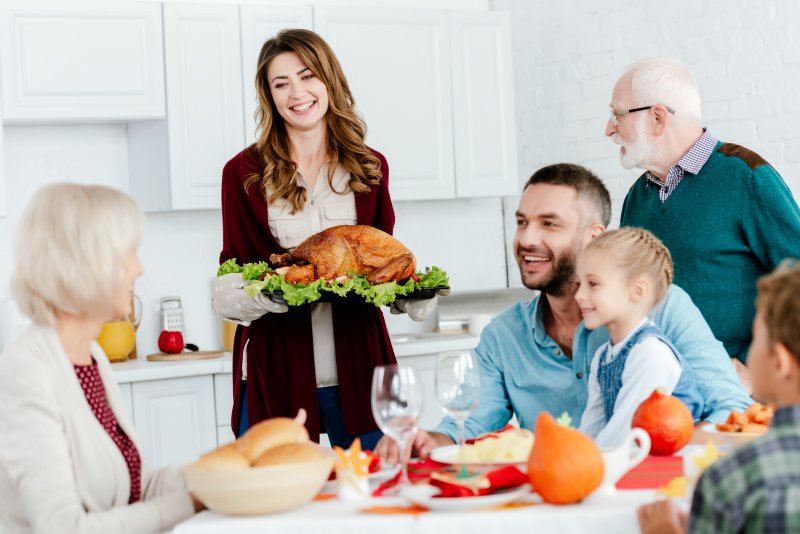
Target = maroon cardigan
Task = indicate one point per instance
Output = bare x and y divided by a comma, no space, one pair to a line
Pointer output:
280,362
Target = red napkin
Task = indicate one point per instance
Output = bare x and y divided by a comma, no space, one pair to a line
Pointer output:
418,472
491,435
480,484
652,473
443,476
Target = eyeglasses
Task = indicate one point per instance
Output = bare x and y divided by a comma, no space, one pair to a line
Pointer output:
616,115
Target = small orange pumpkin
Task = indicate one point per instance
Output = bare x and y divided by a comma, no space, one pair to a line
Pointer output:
668,421
565,465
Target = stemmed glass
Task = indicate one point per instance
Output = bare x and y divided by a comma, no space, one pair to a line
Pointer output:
458,386
396,406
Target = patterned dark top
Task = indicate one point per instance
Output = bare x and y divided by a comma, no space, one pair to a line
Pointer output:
95,393
757,487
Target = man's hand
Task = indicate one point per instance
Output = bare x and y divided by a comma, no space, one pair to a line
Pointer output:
662,517
421,446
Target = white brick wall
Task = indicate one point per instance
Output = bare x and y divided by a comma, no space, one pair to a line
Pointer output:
568,55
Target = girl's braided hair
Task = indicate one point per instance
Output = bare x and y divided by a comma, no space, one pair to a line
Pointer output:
640,253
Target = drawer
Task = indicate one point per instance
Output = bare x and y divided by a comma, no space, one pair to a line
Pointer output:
224,435
223,398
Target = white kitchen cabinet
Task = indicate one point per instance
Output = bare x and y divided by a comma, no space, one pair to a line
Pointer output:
176,164
81,61
225,435
3,190
483,104
223,404
258,24
397,63
126,390
425,370
436,90
174,419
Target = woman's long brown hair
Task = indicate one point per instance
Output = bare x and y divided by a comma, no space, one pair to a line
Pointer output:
346,130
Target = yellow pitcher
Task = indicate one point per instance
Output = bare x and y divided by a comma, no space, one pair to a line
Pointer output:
117,339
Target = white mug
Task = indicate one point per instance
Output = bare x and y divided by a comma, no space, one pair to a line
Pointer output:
619,461
476,322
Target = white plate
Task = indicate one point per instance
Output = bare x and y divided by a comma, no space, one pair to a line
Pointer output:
424,495
712,429
384,473
448,455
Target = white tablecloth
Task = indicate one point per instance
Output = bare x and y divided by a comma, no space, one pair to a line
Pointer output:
615,513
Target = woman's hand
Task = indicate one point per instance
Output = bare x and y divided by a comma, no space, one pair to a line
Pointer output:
417,309
229,302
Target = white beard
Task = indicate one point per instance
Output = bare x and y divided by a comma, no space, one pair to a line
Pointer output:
639,152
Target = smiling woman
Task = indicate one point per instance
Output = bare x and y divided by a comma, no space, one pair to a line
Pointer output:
309,170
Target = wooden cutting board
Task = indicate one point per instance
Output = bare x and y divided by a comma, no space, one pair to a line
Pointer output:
191,355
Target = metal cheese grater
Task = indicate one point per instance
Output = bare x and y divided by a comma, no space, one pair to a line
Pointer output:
171,314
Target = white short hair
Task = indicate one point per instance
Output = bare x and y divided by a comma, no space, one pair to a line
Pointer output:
69,250
665,81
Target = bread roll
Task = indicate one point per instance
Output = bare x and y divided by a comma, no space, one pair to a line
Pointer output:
289,453
268,434
226,458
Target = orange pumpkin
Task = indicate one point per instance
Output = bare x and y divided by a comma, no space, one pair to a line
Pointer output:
668,421
565,465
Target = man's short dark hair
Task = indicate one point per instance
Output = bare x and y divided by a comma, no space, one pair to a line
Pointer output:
582,180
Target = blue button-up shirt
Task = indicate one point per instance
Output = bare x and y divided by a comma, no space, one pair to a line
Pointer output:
524,372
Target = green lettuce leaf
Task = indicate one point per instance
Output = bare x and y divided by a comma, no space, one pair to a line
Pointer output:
229,267
297,294
433,277
253,271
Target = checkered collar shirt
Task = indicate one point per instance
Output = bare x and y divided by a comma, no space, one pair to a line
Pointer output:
691,162
755,488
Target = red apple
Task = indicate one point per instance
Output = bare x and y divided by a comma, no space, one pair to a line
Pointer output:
170,341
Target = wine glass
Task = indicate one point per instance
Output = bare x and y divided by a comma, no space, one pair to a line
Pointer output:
458,386
396,406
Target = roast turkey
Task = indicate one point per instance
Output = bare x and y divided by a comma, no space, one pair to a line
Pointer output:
339,250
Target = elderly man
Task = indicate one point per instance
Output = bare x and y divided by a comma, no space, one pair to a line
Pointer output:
725,214
535,356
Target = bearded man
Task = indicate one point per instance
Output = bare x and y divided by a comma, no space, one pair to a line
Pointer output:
535,356
725,214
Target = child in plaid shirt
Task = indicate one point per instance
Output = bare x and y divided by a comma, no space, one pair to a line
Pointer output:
757,487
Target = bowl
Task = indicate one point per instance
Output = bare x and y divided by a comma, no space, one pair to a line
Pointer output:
259,490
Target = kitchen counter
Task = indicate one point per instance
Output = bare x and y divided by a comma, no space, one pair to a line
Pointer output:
405,345
431,343
140,370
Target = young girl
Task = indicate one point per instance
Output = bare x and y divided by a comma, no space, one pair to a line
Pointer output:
623,274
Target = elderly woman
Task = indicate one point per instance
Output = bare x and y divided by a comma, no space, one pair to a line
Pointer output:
68,455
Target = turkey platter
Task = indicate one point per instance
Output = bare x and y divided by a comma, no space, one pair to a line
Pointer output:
343,261
339,251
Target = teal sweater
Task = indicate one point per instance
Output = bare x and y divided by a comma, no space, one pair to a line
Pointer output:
725,227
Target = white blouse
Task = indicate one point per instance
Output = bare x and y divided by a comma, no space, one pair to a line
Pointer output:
650,364
324,208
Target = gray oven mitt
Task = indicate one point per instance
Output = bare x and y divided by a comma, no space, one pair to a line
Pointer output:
417,309
230,303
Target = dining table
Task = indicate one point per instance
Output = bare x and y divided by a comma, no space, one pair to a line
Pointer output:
612,511
387,515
